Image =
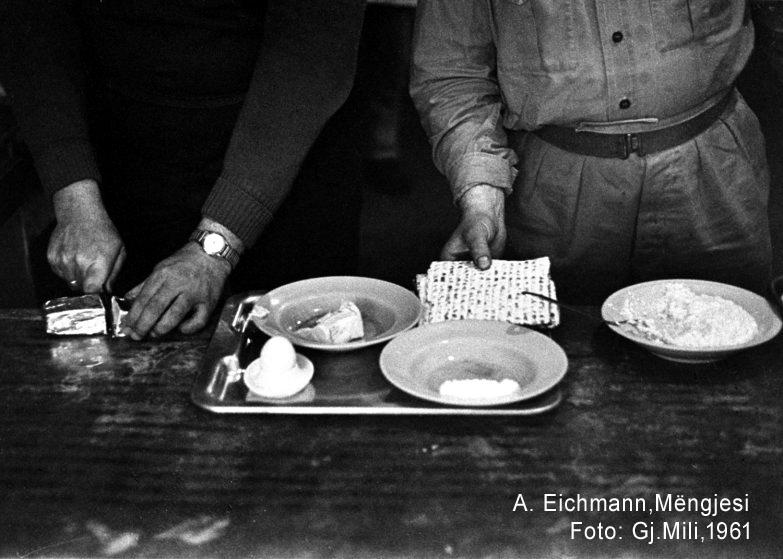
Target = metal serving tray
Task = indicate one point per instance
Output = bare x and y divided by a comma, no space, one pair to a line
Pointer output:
346,383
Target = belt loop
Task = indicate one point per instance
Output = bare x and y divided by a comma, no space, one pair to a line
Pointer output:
627,146
637,145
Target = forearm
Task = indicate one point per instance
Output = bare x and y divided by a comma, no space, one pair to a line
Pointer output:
78,198
454,88
303,75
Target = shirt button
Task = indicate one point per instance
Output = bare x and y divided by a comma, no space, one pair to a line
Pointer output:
617,36
625,103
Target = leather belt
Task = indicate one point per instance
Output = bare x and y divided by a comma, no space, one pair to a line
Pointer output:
623,145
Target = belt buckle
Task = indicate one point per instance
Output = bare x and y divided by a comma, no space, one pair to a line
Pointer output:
632,143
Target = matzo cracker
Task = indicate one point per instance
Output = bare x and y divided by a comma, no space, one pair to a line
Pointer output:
459,290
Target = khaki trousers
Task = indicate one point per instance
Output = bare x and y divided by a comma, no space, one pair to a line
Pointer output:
698,210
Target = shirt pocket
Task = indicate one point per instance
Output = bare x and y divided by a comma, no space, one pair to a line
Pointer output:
540,34
678,23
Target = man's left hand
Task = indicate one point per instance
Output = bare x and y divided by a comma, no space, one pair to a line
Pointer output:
181,291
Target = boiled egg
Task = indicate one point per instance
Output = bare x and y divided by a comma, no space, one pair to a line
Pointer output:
277,355
278,372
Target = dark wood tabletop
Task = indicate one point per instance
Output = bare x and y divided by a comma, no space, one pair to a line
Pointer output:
102,453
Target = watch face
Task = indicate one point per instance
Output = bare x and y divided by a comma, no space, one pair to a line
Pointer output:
213,243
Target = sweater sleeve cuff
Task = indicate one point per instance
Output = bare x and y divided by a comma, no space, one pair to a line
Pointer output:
65,164
481,168
235,208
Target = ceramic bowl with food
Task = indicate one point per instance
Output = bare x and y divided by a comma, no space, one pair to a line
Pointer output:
691,321
298,311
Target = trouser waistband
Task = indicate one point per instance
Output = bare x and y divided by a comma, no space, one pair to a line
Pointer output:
642,143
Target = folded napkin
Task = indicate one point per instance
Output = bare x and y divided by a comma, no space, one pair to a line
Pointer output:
459,290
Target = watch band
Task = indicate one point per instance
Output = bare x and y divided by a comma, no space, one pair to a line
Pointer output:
226,252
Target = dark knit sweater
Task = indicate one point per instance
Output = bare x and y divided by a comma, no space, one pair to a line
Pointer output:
290,62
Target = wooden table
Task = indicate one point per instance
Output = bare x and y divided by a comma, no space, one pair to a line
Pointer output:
102,453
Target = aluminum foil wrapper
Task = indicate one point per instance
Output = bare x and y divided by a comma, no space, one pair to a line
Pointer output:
73,316
85,315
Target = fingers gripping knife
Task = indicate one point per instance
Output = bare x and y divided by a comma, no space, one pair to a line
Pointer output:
85,315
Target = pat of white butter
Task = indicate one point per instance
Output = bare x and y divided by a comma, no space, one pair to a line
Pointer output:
478,388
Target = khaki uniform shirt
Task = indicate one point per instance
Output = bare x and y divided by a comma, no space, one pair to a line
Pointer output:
483,66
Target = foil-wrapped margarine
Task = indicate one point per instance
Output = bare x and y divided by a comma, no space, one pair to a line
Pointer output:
336,327
85,315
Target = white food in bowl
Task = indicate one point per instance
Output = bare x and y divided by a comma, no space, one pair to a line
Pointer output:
683,318
478,388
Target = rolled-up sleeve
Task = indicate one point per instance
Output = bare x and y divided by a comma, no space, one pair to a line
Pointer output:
455,90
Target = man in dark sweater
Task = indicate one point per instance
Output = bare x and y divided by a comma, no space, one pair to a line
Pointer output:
180,140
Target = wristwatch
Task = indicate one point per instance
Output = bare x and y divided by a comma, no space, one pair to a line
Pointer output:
215,244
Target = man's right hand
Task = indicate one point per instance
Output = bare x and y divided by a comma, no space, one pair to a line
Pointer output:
85,248
482,229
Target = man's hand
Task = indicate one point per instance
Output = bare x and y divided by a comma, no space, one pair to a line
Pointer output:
482,229
85,248
182,291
